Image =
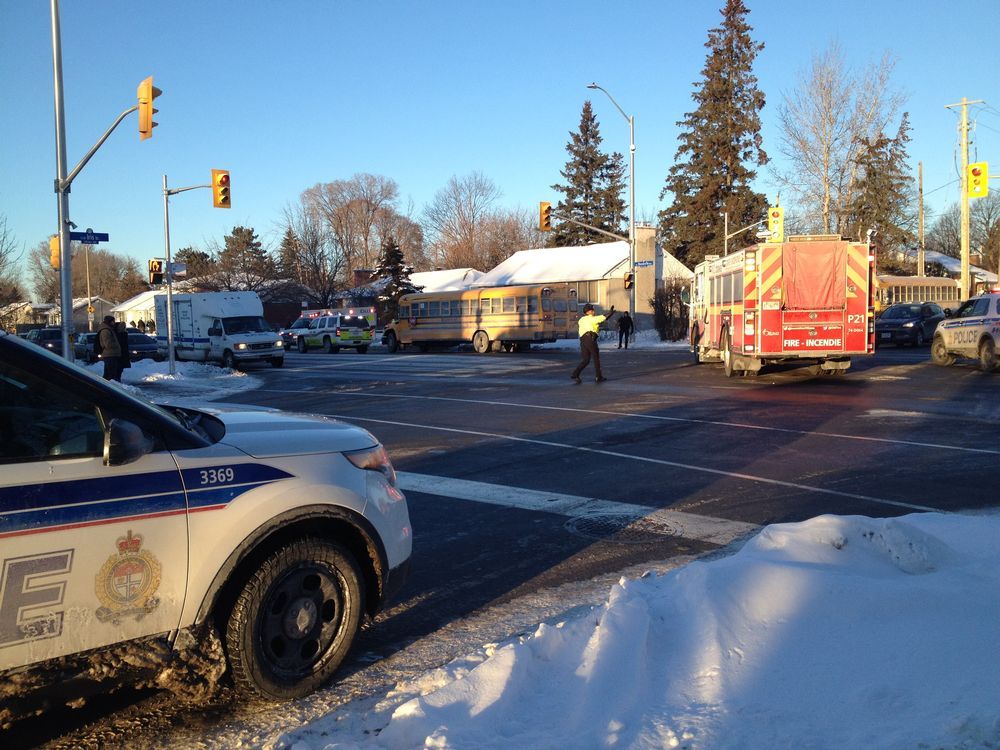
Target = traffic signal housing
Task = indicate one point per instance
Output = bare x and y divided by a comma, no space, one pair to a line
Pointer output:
629,279
155,271
545,216
146,93
220,188
977,179
55,254
776,223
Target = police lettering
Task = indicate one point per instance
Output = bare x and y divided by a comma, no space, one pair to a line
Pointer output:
27,602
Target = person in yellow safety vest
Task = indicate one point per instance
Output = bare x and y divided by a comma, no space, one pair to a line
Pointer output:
588,325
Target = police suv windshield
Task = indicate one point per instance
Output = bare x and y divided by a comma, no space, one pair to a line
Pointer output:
246,324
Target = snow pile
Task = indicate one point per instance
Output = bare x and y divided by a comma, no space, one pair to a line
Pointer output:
839,632
193,380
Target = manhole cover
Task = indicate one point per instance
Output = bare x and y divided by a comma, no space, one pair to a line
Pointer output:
622,529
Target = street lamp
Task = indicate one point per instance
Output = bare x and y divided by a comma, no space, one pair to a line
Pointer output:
631,200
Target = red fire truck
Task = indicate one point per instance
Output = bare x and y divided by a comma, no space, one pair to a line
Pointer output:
808,300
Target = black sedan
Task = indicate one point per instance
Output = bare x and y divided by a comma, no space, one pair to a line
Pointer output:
908,323
142,346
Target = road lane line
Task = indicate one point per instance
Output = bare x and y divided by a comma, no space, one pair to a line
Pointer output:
645,459
719,531
654,417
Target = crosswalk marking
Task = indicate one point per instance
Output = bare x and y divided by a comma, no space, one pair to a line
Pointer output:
687,525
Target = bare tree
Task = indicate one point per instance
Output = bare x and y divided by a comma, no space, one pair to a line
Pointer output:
110,276
350,209
823,123
320,261
10,287
456,217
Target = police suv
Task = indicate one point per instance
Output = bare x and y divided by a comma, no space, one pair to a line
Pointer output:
333,332
973,331
135,539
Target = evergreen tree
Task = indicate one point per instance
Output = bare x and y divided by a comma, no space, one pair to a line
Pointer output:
720,145
391,266
884,197
244,264
594,190
289,262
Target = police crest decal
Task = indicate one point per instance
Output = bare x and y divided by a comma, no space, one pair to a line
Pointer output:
127,582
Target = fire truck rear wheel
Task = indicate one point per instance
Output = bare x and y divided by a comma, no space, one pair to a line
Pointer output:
728,358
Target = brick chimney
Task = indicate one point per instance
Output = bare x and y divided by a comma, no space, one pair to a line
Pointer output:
362,276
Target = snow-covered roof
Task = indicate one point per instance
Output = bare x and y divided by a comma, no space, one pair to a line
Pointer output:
448,280
954,265
551,264
673,268
141,300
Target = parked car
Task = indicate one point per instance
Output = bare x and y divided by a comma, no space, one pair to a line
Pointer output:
291,333
47,338
138,539
973,332
141,346
83,348
908,323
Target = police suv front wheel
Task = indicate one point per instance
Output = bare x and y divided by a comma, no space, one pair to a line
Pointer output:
940,354
294,620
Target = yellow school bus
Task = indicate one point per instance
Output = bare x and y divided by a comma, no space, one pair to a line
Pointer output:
503,318
892,289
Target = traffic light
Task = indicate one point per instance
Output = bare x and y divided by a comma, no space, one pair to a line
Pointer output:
155,271
977,179
55,255
544,216
776,223
220,188
146,93
629,279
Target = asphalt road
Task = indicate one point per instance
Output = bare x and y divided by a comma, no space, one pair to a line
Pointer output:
519,481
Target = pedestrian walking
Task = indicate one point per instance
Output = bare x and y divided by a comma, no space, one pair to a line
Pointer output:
124,360
625,327
588,325
111,350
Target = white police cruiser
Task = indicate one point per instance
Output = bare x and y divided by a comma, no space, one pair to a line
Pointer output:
132,535
973,331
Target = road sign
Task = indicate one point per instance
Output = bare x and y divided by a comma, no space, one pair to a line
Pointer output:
89,237
643,263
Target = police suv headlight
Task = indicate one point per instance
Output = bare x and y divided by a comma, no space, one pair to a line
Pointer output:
241,347
909,325
373,459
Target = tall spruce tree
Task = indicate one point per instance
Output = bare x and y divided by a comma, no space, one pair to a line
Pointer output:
594,190
884,197
720,143
289,252
391,266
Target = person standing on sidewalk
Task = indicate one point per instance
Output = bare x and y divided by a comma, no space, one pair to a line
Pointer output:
111,350
624,329
588,325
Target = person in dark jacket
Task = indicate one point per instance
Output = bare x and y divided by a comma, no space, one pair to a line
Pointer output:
625,327
124,360
111,350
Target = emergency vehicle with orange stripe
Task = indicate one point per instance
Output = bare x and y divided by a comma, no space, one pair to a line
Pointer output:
808,300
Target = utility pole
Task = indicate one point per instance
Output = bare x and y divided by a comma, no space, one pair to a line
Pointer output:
920,214
964,148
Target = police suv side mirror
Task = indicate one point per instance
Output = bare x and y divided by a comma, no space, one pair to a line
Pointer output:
947,312
125,442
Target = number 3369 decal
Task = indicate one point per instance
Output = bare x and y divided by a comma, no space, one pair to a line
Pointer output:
217,476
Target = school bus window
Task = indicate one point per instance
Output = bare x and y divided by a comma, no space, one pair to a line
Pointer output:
404,311
433,309
560,305
522,304
532,304
508,304
546,304
421,309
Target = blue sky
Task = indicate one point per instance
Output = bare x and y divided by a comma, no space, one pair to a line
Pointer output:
286,94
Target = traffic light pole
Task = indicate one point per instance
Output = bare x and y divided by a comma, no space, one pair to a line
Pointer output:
169,271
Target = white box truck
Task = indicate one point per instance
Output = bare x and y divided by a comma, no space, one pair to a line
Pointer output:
224,327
